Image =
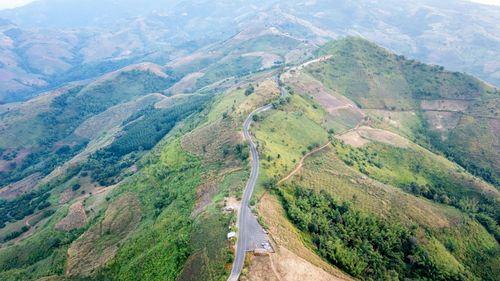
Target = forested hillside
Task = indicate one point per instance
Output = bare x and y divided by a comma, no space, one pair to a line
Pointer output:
372,167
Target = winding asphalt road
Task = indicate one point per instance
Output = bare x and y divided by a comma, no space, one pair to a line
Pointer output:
282,89
246,224
245,212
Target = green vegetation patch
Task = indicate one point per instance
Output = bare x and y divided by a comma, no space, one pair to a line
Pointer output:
283,139
160,245
419,172
378,80
363,245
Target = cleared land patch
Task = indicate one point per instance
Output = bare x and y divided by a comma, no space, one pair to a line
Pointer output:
99,244
23,186
442,120
445,105
268,60
76,217
187,84
364,135
112,117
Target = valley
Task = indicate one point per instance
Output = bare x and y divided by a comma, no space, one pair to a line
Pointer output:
266,156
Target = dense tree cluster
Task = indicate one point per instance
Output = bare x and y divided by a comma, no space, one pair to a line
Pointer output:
363,245
440,187
22,206
141,132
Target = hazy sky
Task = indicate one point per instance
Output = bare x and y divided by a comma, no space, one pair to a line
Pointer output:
5,4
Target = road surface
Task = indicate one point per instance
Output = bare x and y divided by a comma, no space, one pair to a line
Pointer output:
249,231
283,91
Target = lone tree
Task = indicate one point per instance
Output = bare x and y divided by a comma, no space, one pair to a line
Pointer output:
249,90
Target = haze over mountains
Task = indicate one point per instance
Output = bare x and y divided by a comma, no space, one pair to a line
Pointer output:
42,48
133,134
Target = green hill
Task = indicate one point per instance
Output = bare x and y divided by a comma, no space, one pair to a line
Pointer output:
453,113
127,177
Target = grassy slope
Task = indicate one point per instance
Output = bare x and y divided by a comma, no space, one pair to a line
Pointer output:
289,133
452,237
172,177
378,80
444,231
205,232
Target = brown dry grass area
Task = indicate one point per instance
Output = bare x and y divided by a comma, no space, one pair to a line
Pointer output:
186,84
442,121
191,58
260,269
76,217
6,165
354,139
207,141
98,245
66,195
363,135
292,260
287,266
445,105
267,59
25,185
325,171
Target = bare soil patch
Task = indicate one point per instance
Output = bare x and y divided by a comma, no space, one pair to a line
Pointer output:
76,217
23,186
268,60
442,121
99,244
363,135
65,196
186,84
445,105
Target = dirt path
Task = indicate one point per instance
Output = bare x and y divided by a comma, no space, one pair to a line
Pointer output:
274,269
67,262
301,162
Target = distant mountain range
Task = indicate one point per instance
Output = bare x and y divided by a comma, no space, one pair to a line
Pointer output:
42,47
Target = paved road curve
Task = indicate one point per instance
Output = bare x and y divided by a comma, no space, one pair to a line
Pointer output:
244,215
283,91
